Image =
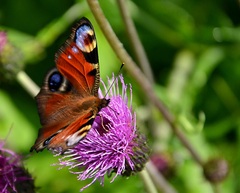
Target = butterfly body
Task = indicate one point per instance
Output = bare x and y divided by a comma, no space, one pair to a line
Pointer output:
68,101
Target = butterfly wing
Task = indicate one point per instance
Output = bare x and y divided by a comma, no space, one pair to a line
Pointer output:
68,102
81,47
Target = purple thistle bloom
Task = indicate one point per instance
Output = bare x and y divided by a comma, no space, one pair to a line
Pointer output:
113,144
13,177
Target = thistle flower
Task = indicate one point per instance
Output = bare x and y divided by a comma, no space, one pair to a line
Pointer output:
13,177
113,144
10,59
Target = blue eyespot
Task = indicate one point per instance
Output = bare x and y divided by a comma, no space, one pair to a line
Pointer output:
55,81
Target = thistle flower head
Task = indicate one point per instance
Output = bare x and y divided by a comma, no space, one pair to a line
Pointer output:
216,170
10,59
13,177
113,144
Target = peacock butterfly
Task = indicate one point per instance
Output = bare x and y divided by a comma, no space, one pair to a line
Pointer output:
68,101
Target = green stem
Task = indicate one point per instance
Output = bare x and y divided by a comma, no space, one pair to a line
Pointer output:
135,41
150,188
159,179
27,83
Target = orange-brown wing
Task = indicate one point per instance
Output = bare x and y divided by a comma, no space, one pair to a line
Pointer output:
77,59
76,79
68,125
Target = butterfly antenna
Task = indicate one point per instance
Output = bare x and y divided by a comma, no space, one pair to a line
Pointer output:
114,80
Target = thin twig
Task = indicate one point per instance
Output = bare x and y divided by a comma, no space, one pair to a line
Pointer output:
27,83
139,52
138,75
150,188
135,41
159,179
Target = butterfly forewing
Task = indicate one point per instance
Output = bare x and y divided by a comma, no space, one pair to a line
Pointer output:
68,101
77,60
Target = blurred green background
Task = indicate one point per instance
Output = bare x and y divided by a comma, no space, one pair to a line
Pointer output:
193,48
